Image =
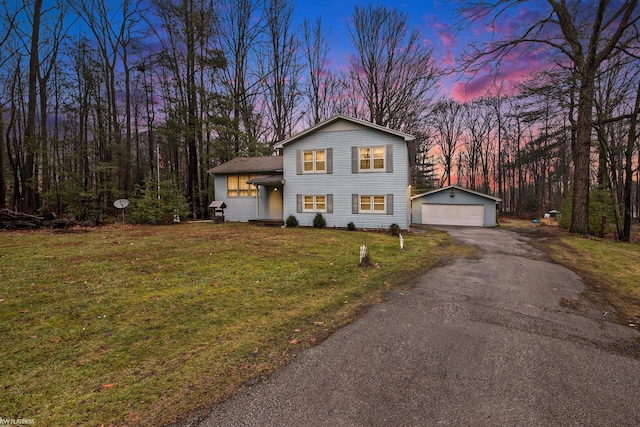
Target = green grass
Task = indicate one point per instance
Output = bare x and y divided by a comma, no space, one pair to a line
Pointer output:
611,269
148,325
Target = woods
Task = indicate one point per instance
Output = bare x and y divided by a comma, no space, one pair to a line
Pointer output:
92,91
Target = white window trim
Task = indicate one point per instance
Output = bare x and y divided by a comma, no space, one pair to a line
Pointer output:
315,202
314,162
371,159
371,204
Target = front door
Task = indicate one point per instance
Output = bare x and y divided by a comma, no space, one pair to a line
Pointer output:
275,203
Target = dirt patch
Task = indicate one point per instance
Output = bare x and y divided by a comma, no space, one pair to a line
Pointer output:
572,304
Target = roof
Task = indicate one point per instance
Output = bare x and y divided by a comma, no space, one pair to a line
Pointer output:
249,165
456,187
405,136
267,180
217,205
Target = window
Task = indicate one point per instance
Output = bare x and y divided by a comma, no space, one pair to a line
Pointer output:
371,158
314,161
315,204
237,186
372,204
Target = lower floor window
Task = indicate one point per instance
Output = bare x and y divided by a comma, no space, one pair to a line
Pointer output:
237,186
372,204
315,204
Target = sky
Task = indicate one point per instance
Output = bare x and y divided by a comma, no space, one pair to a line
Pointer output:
434,19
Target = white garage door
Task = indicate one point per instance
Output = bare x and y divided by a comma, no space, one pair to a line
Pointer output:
439,214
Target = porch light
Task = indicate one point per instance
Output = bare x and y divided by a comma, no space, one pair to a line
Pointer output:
452,193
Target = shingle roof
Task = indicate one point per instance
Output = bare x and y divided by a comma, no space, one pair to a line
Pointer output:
457,187
249,164
268,180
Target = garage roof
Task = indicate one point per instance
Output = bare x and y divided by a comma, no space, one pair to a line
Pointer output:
457,188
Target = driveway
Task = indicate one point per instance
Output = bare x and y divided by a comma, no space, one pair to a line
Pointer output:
504,340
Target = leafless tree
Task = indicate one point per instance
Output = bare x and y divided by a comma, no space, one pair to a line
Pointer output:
448,122
316,49
478,123
617,102
241,25
583,35
281,69
393,72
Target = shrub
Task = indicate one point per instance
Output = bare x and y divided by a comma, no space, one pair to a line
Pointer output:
147,208
394,229
319,221
291,221
599,206
351,226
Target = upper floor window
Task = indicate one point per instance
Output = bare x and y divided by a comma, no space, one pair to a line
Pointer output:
237,186
314,161
371,158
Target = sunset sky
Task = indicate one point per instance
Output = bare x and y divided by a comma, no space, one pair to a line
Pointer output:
435,20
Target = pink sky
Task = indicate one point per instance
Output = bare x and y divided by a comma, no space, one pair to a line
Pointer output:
434,19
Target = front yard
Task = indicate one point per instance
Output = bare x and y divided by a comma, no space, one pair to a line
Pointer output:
148,325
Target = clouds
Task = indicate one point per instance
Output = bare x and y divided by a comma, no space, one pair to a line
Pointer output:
437,20
505,75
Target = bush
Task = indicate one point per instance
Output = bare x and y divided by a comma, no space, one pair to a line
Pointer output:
291,221
351,226
599,206
319,221
394,229
147,208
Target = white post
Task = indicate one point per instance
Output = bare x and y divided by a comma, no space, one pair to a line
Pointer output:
401,242
364,254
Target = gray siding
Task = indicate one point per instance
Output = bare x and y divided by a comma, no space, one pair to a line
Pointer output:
239,209
461,198
343,183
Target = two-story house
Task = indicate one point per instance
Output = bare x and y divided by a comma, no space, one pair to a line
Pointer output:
347,169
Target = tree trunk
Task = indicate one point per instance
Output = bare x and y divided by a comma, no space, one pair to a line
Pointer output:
581,156
28,178
628,168
3,192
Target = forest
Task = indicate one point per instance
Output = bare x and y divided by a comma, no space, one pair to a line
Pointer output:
109,99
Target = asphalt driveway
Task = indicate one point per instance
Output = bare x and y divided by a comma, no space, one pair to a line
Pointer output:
504,340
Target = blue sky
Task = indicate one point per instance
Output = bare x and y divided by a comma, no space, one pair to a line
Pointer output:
430,17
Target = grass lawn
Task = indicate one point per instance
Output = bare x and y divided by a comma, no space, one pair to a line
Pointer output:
148,325
611,269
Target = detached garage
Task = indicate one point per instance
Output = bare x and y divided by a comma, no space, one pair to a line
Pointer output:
454,205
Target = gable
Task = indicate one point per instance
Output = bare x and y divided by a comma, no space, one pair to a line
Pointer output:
343,123
455,190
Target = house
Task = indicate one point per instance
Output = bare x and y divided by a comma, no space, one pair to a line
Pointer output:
347,169
238,183
454,205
